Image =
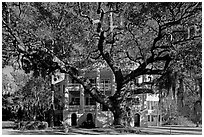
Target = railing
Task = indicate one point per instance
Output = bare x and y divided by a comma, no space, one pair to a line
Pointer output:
86,108
90,107
74,87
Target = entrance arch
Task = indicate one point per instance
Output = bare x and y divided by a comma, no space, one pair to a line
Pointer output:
74,119
89,117
89,121
137,120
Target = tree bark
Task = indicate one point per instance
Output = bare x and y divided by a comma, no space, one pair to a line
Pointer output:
117,110
180,96
118,115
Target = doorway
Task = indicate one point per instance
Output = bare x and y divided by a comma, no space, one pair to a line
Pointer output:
74,119
89,121
137,120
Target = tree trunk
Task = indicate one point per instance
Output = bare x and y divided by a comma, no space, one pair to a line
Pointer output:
118,115
180,96
200,88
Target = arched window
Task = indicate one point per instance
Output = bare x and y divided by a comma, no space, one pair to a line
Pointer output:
74,119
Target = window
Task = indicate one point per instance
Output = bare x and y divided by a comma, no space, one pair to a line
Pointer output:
105,84
104,108
75,101
63,89
152,105
90,101
137,80
137,101
108,92
92,81
74,81
148,118
152,118
57,87
148,105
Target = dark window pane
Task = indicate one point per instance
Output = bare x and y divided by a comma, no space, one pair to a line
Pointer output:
87,101
92,101
104,108
152,118
148,117
75,101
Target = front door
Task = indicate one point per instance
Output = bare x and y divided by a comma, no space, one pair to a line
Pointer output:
74,119
89,120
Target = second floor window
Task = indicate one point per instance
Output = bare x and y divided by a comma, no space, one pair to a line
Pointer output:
90,101
105,84
93,81
151,105
148,118
75,101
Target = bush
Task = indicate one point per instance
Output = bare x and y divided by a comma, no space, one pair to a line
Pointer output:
43,125
32,125
180,120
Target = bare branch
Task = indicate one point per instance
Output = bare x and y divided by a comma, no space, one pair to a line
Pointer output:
83,15
137,60
190,6
159,36
179,8
141,53
185,40
105,56
142,68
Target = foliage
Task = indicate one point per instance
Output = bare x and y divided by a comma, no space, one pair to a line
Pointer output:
32,125
36,98
10,97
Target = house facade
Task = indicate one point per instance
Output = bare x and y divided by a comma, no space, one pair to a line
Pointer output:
79,109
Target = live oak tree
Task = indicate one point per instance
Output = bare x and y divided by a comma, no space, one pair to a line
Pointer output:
132,39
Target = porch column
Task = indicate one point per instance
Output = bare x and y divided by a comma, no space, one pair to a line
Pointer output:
66,99
97,104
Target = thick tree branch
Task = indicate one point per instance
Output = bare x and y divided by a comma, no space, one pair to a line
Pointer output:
159,37
142,68
105,56
154,72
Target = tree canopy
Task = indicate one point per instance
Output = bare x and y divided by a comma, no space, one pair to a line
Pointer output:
132,39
